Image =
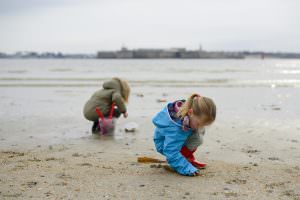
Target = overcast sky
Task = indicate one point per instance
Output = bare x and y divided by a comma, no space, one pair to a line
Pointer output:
85,26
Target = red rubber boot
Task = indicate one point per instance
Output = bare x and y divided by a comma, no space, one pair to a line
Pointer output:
189,155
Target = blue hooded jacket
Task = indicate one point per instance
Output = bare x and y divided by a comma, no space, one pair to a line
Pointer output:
169,138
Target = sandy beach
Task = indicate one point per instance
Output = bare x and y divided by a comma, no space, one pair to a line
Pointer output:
48,152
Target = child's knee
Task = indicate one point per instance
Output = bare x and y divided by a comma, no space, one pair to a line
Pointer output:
193,142
193,145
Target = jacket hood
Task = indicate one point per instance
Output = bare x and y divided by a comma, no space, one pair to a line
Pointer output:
112,84
163,119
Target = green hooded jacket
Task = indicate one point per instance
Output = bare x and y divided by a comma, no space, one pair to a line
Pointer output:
103,98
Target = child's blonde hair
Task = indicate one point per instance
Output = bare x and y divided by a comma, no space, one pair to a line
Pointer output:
125,88
201,106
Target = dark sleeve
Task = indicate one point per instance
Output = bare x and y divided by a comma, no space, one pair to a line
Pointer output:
194,140
119,101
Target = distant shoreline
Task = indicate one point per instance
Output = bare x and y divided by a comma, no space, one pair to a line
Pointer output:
212,58
172,53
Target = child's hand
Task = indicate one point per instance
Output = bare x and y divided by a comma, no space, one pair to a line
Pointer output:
125,115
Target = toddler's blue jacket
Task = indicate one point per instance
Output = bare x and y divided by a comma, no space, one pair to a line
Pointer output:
169,138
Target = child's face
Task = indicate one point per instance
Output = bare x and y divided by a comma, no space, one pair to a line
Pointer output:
197,122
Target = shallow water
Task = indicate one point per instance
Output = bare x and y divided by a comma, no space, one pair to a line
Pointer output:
42,100
169,72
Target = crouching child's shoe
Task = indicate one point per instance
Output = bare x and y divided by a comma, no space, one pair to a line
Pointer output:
189,155
96,128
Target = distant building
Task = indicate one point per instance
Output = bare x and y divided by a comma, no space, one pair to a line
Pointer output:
124,53
106,54
3,55
171,53
147,53
180,53
190,54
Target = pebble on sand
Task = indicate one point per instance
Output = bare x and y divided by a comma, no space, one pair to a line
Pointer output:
131,127
161,100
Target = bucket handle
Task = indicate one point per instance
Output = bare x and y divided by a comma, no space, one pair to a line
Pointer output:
111,114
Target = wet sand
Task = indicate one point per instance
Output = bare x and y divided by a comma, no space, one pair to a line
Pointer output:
47,150
109,170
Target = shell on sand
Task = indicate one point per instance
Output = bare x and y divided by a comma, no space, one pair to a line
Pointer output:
131,127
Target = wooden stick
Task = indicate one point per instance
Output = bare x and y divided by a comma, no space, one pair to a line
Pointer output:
149,160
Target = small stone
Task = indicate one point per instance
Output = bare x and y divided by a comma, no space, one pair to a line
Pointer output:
297,168
140,95
31,183
48,193
253,151
86,164
273,158
51,158
131,127
75,155
156,166
276,108
161,100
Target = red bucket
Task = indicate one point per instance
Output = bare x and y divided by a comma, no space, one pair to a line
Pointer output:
106,124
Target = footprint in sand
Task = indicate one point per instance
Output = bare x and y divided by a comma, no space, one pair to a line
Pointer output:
63,176
250,150
237,181
11,154
291,193
85,164
51,158
273,158
30,184
76,155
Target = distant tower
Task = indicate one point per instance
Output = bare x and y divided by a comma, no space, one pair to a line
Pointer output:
123,47
200,48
